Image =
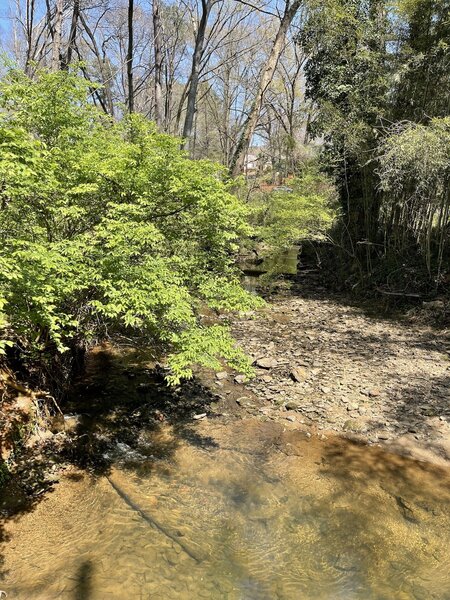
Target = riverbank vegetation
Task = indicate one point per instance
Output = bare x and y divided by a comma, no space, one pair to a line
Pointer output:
378,75
304,209
107,226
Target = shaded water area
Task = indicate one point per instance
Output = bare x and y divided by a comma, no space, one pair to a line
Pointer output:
238,510
285,263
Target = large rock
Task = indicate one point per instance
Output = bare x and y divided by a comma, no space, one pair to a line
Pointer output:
299,374
221,375
266,363
292,405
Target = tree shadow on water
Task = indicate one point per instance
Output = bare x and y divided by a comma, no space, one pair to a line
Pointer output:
121,413
83,589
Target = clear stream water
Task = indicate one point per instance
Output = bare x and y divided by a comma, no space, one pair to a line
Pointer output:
243,510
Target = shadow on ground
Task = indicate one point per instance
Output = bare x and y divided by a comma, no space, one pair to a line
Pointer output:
123,413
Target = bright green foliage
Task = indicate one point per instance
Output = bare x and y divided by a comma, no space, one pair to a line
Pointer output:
107,226
282,218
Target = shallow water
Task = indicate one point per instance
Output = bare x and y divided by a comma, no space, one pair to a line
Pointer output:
284,264
239,511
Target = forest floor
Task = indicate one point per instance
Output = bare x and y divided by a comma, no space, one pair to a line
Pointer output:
328,366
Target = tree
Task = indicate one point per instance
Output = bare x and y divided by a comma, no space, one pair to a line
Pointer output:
369,74
266,76
57,35
129,59
107,226
157,42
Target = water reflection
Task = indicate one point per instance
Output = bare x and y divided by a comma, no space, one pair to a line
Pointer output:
285,263
261,514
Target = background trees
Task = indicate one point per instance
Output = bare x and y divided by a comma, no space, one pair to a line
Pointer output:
378,76
275,79
199,68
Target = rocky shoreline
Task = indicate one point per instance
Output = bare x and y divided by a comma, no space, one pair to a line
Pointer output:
328,367
323,366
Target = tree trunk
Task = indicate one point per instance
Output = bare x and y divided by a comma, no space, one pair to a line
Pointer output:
195,72
29,33
130,57
264,82
159,107
73,32
57,33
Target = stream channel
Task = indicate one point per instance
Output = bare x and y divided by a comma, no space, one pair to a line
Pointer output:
234,508
241,510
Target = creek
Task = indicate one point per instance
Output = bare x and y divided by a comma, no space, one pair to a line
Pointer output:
228,507
238,510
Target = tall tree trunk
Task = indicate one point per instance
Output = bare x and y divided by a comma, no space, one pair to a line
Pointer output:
264,82
29,33
157,37
57,36
130,57
73,32
195,71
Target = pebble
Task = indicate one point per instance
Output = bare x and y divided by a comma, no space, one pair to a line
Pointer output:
299,374
221,375
266,363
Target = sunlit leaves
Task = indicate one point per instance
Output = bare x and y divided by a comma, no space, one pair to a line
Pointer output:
110,227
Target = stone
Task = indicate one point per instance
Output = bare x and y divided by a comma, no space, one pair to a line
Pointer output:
325,390
299,374
242,400
353,425
267,378
374,393
221,375
240,379
200,416
292,405
266,363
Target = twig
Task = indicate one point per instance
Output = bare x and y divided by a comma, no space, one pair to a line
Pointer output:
405,294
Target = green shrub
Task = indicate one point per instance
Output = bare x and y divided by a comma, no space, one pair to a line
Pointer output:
282,218
107,225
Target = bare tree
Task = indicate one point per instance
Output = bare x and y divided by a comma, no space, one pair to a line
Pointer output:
57,35
130,56
157,41
264,82
194,78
